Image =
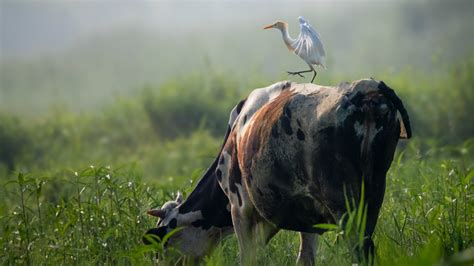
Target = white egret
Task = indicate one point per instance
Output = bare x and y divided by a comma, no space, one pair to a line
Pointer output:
308,45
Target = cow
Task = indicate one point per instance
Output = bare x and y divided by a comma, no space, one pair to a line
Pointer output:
291,155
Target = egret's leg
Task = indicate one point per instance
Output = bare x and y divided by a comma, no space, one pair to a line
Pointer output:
299,72
315,73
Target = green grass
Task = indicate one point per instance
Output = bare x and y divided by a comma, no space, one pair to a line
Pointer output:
97,215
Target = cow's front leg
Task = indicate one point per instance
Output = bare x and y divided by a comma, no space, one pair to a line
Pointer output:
308,246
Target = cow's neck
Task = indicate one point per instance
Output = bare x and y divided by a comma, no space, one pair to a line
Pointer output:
209,198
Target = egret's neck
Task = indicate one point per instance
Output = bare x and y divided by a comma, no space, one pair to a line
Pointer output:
286,38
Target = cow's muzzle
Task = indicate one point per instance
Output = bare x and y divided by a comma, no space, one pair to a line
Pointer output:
155,235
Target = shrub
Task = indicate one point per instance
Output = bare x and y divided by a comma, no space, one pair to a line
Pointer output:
14,139
178,108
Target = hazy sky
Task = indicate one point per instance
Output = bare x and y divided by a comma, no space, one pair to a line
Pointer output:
62,51
30,27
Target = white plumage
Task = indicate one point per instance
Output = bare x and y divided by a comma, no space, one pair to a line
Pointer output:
307,46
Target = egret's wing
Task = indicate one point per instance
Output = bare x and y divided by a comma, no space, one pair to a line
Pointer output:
308,45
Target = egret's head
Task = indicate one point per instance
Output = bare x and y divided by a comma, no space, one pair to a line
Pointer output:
277,25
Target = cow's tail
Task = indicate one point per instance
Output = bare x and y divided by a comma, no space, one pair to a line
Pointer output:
390,94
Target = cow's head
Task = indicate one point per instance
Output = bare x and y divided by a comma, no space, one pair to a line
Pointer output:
192,235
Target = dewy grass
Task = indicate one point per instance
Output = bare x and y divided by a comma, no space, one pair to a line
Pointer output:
350,229
94,215
97,215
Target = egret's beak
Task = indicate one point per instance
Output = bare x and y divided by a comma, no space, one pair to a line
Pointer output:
268,27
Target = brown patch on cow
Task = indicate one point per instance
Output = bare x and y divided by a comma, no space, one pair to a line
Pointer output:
264,124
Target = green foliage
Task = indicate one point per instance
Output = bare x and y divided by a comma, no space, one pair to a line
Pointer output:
439,105
137,128
180,107
97,216
429,203
350,229
14,140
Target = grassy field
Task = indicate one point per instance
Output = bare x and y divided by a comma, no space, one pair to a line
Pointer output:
97,215
76,186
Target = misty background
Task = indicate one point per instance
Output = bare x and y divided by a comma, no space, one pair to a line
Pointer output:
81,55
107,108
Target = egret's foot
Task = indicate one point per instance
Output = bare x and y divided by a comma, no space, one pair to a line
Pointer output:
295,73
299,72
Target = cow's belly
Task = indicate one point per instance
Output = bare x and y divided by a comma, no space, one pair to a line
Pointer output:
284,186
282,176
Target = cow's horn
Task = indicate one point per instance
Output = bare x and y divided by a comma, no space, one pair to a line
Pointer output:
179,197
157,213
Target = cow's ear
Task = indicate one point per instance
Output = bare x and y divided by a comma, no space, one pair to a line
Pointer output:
179,197
157,213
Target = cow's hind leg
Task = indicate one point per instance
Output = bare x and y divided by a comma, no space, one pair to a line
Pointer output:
252,231
308,246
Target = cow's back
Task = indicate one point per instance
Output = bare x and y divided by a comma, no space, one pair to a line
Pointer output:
298,151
